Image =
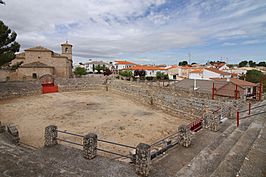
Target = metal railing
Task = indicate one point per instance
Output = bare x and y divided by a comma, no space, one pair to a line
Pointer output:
238,117
99,140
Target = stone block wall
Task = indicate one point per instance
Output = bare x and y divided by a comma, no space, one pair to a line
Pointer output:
172,101
14,89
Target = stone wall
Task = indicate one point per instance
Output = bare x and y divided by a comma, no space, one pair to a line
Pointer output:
13,89
170,100
76,84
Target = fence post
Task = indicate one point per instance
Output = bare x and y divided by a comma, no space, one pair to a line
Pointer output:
143,159
249,108
50,136
237,118
184,135
90,146
236,92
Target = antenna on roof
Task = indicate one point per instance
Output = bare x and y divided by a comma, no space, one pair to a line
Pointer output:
189,57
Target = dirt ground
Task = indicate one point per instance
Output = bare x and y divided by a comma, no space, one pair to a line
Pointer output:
112,117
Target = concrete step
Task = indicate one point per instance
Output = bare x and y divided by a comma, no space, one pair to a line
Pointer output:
255,161
234,159
209,158
206,162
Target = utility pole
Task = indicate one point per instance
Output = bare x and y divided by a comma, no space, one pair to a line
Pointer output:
189,58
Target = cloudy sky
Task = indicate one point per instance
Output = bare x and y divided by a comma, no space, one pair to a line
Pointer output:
143,31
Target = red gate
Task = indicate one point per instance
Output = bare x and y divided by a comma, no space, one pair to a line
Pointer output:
48,85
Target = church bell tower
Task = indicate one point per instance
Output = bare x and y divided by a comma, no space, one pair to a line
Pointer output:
67,50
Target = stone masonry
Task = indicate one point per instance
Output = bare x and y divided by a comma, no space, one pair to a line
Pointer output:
143,159
50,136
90,146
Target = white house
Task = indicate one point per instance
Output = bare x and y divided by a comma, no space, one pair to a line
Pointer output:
208,73
219,65
91,66
179,72
119,65
150,70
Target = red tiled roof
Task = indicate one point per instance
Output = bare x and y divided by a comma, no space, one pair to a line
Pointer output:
171,67
218,71
199,70
119,62
237,82
218,64
39,48
186,67
143,67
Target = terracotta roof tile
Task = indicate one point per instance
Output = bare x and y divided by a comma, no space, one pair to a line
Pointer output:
119,62
199,70
143,67
237,82
218,71
38,48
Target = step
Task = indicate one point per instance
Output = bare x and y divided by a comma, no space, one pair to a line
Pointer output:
210,157
234,159
255,161
205,163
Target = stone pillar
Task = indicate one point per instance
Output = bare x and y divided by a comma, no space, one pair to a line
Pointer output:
143,159
50,136
90,146
184,135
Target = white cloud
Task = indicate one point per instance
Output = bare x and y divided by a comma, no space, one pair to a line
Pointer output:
114,28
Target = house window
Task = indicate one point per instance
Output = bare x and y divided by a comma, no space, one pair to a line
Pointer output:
249,90
34,75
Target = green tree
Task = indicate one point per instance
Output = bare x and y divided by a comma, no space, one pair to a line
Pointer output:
98,68
252,63
183,63
243,63
262,63
16,66
140,73
125,73
253,76
80,71
8,45
160,75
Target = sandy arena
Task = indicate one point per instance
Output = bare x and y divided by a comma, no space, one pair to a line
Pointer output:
111,116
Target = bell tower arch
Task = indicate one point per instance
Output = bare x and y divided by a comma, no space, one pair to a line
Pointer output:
67,50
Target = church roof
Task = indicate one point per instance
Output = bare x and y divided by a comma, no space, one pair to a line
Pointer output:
39,48
36,64
20,55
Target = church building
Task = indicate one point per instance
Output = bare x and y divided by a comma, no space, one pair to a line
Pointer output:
39,61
